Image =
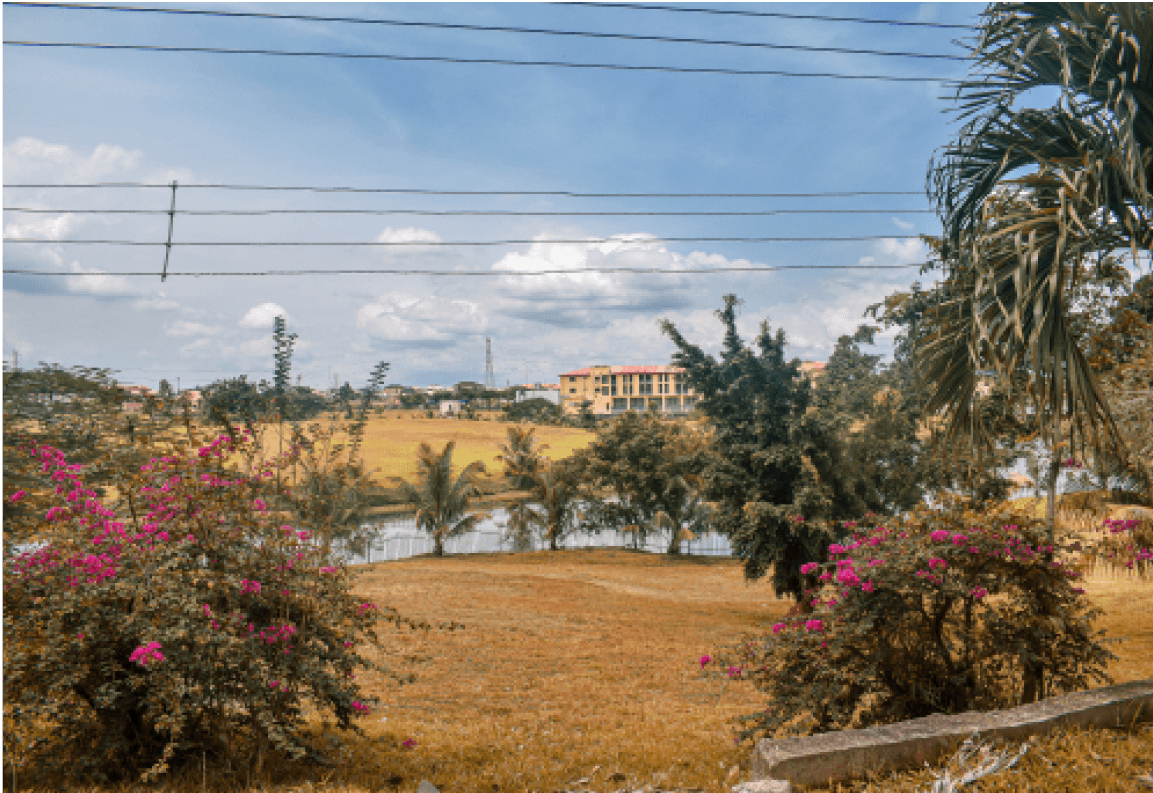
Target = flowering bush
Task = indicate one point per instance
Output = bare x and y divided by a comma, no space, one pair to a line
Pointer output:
938,613
1127,544
186,620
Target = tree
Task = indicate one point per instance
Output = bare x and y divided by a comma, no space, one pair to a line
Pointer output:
778,475
552,508
536,410
648,469
344,398
442,501
235,397
1028,194
521,456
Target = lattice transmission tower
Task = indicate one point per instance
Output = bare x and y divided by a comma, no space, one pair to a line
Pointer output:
489,377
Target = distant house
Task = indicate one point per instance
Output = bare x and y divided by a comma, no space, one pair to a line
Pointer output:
451,407
813,369
611,390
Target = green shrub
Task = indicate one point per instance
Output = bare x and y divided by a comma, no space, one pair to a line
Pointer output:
188,622
937,613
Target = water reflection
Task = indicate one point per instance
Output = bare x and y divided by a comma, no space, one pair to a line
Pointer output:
398,538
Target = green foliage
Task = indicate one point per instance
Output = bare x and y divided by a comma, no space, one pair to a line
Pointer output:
177,620
442,500
535,411
521,456
778,468
238,398
645,470
282,343
936,613
552,509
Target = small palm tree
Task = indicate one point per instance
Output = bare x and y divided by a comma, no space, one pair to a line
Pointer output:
521,456
551,508
441,500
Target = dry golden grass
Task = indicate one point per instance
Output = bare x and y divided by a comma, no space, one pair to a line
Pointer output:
583,664
392,439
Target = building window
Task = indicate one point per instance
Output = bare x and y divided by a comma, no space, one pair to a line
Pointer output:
645,384
572,390
620,403
597,380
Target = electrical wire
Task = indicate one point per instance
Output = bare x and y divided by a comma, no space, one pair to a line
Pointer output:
456,243
459,212
770,15
479,61
487,29
423,191
494,273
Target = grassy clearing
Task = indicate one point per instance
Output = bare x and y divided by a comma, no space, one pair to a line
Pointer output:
392,439
583,664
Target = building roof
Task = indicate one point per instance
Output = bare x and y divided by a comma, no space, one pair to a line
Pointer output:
657,369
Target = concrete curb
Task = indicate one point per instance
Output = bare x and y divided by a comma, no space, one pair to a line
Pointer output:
837,756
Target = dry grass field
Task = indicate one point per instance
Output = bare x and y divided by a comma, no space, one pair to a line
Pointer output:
391,441
582,665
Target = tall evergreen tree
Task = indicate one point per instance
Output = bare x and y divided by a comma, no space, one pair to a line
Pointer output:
778,476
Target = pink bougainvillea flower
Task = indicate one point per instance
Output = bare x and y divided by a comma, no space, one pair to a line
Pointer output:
815,626
867,586
780,626
359,707
940,536
809,568
147,653
409,743
705,660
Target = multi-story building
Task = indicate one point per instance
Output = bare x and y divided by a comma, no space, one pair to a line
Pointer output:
610,390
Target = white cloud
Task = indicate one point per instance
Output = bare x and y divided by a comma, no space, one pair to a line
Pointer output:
262,316
27,159
184,328
41,227
415,320
97,283
407,234
894,251
549,283
160,303
902,224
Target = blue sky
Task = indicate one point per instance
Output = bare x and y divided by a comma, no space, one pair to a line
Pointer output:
82,116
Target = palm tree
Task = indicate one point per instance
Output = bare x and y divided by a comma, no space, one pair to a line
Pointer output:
551,507
1028,196
441,501
521,456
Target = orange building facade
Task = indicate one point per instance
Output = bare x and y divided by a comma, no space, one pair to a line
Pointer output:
611,390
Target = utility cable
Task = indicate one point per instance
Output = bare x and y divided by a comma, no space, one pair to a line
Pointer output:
422,191
472,243
770,15
496,273
479,61
460,212
487,29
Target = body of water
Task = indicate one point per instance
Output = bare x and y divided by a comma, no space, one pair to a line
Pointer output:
399,539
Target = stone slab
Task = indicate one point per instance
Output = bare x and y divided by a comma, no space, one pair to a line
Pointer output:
837,756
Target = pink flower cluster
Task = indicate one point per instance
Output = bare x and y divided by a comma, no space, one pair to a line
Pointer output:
705,660
360,707
249,586
147,653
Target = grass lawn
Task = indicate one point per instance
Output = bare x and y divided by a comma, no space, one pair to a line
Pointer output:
582,665
392,439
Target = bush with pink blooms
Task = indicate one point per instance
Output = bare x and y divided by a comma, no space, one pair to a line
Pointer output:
934,613
176,618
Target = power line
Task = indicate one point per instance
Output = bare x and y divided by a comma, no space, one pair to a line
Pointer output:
488,29
480,61
772,15
459,243
497,273
423,191
461,212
